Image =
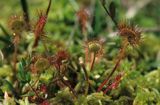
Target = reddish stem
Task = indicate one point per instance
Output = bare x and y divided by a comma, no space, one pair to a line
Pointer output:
93,61
15,57
16,42
107,89
107,79
69,86
34,90
114,69
40,25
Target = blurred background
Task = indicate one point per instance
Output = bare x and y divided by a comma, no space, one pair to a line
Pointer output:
63,31
62,23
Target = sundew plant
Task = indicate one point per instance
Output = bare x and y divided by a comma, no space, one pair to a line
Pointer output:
79,52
